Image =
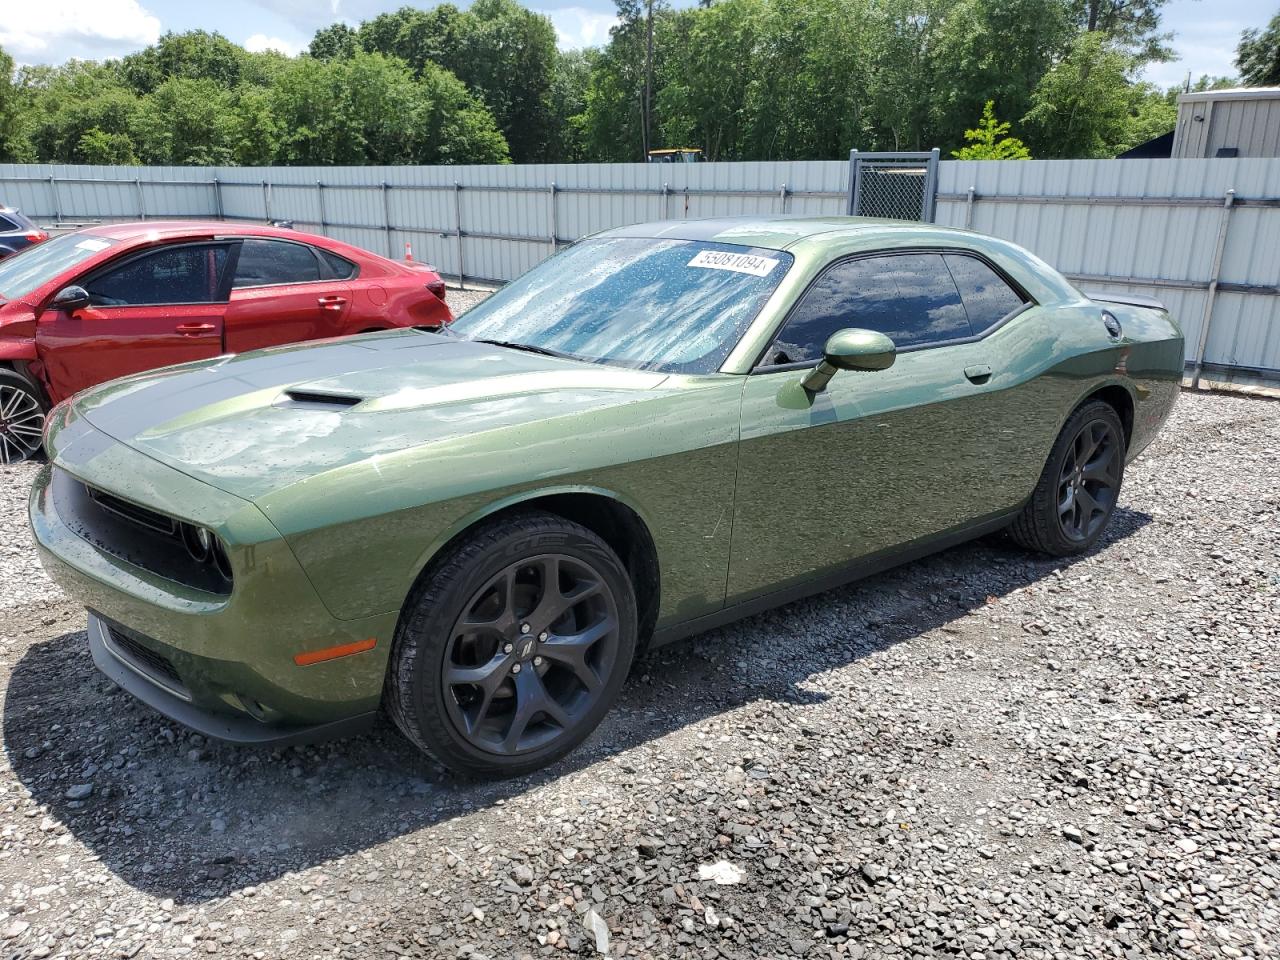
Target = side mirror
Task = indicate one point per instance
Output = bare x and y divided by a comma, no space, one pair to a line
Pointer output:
71,299
850,349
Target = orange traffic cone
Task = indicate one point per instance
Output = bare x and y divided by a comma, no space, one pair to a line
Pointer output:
408,250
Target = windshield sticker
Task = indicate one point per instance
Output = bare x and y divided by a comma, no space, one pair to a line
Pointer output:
737,262
91,244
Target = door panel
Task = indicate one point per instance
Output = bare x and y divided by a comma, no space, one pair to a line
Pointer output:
161,306
101,343
270,316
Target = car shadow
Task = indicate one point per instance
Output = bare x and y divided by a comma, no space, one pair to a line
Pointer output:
181,818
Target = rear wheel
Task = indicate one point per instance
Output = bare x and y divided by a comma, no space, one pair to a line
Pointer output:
22,411
514,647
1077,493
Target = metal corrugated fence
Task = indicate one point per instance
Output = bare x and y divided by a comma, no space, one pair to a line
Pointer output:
1202,235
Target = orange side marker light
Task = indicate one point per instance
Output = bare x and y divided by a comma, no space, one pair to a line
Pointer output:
333,653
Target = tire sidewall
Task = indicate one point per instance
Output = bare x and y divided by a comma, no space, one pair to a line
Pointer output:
426,698
1096,411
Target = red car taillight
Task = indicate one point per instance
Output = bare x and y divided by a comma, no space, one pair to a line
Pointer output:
438,288
37,236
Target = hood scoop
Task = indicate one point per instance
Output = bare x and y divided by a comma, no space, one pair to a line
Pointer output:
319,398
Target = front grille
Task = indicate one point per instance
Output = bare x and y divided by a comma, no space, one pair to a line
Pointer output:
144,660
138,535
131,511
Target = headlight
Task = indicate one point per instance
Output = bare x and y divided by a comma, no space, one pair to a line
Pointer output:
60,416
205,547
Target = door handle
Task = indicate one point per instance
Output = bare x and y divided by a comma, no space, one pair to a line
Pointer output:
978,372
332,303
190,329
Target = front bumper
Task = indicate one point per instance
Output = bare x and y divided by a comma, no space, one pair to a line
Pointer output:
230,655
134,675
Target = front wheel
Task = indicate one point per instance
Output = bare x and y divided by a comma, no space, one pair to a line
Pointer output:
514,647
22,413
1077,493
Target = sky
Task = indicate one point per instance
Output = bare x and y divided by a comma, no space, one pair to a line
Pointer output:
52,31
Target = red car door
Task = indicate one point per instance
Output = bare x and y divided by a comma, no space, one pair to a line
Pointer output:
280,295
152,309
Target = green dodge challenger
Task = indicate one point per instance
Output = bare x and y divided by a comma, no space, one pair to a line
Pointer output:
660,429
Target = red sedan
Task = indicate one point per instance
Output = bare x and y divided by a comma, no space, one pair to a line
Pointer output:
113,300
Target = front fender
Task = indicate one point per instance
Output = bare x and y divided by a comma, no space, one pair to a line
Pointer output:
18,348
468,521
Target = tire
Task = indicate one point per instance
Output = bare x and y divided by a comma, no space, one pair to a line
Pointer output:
22,413
1077,492
483,648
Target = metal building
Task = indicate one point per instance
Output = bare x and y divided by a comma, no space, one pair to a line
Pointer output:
1242,122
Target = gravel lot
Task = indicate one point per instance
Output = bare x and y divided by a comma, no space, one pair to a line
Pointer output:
982,754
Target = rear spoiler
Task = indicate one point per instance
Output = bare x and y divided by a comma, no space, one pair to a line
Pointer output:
1129,299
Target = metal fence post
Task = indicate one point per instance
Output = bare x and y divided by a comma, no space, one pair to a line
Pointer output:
782,199
57,204
320,199
217,199
457,224
1214,271
555,222
855,174
666,202
386,218
930,211
142,202
968,208
266,201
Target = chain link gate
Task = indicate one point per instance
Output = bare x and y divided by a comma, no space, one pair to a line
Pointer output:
901,186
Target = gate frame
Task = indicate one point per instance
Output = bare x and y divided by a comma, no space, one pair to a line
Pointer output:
904,158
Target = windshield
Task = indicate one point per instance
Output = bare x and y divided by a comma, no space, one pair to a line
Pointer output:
30,268
678,306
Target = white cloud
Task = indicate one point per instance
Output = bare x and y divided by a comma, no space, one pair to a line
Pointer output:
578,27
260,42
1209,48
52,31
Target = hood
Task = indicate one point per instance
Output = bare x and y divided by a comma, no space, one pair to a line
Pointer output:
254,424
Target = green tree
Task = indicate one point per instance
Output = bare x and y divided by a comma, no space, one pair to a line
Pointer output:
13,114
1258,55
97,146
1081,107
990,140
336,41
183,121
195,55
700,103
568,100
1132,26
66,103
371,109
503,52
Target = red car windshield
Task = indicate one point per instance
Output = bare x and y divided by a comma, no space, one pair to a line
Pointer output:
35,266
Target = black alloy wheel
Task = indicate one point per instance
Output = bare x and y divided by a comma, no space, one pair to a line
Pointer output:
528,657
513,646
1089,480
1079,487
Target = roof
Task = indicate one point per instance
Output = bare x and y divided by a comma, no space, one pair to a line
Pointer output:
770,233
1232,93
159,229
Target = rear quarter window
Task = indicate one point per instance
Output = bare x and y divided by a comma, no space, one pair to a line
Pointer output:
986,296
336,267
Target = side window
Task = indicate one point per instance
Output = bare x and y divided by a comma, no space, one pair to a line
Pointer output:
986,296
7,225
338,268
264,262
908,297
185,274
